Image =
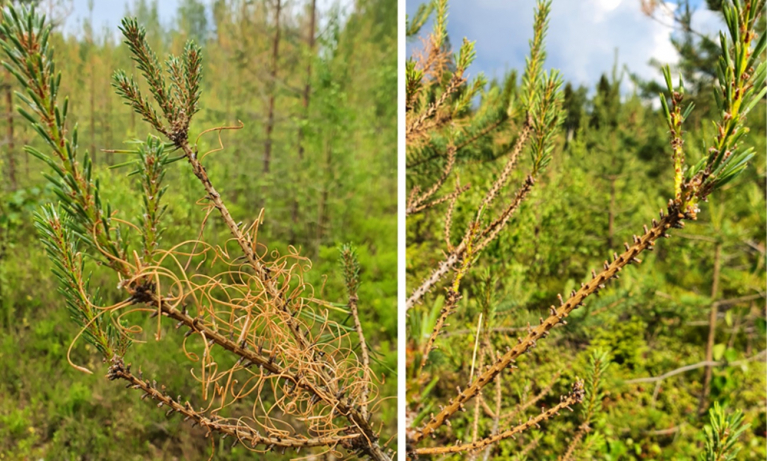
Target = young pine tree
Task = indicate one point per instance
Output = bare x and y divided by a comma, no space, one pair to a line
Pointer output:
452,406
275,371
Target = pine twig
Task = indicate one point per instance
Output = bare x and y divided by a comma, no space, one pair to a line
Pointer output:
416,126
418,203
695,366
576,396
351,276
543,393
458,252
240,433
496,416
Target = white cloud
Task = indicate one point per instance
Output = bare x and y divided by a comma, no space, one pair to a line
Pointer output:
582,39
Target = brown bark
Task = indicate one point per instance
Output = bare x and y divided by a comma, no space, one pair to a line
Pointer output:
711,328
272,87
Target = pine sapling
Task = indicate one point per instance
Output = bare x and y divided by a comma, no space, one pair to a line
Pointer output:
251,324
537,115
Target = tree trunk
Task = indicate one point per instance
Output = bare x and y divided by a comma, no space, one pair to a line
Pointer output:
711,328
308,82
272,88
305,116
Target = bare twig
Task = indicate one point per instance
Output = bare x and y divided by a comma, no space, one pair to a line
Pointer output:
694,366
240,432
571,399
365,356
524,406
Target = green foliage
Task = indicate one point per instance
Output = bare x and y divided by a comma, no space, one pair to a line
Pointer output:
741,85
61,246
440,23
153,158
351,268
547,116
534,61
420,17
722,435
180,102
592,402
26,44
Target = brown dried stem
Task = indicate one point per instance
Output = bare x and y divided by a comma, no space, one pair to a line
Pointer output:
470,140
365,356
243,240
576,396
418,202
418,126
503,178
543,393
475,424
451,197
309,380
453,296
240,432
497,413
489,232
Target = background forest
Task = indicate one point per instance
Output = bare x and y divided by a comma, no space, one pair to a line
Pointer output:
317,150
699,297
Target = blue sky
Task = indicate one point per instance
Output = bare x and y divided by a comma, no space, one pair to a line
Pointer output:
107,13
582,39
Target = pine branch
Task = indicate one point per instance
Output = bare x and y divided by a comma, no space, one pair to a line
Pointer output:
417,202
722,435
458,252
543,393
24,38
297,363
647,240
238,431
575,397
351,276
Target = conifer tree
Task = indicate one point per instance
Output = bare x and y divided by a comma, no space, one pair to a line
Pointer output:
252,324
444,405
